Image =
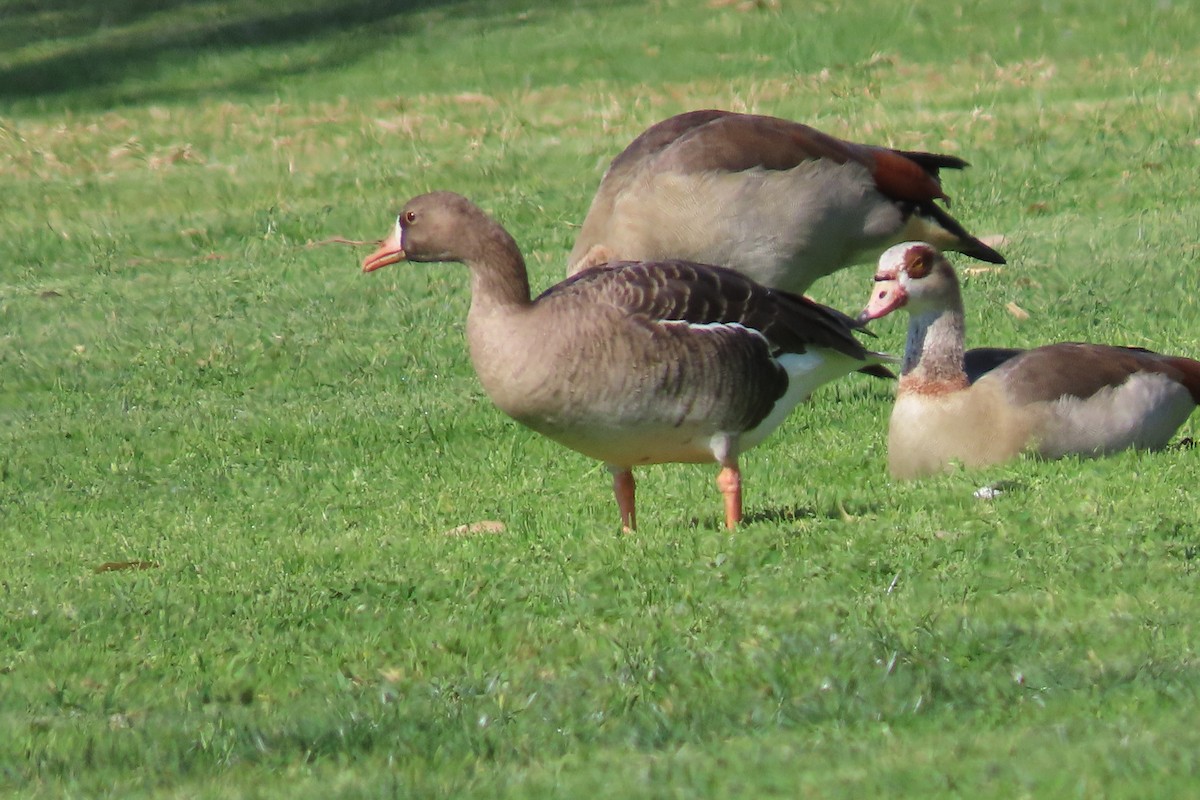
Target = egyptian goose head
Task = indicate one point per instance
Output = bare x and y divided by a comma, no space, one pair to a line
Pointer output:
1051,401
632,363
777,200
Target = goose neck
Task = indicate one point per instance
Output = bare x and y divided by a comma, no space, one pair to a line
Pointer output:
499,279
934,351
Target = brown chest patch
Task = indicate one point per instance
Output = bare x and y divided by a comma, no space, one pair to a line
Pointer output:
931,387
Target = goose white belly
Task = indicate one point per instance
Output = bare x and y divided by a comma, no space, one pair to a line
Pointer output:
625,446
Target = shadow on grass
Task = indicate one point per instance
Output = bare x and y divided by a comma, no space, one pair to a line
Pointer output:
785,515
84,46
779,515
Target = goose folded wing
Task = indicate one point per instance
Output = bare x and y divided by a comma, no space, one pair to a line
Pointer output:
703,295
740,142
1073,369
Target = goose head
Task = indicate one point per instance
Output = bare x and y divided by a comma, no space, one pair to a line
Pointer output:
429,229
912,275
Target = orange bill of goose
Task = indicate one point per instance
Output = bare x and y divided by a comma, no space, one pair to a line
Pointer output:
632,363
1052,401
777,200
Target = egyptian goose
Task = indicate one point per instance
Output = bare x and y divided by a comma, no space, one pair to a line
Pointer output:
632,363
774,199
1061,399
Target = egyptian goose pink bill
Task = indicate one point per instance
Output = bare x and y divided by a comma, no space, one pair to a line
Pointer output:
776,200
632,363
1053,401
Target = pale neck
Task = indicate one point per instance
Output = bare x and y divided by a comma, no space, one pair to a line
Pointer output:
934,351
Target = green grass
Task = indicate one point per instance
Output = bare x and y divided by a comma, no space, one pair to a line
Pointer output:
186,381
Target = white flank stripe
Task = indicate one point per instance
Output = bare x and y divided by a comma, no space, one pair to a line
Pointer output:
708,326
806,372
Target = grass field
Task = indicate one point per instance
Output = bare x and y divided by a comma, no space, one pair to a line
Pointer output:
229,462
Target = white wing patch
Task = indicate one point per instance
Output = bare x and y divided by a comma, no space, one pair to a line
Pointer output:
708,326
806,372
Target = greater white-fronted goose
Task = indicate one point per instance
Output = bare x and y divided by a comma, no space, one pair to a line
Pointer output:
1053,401
774,199
632,363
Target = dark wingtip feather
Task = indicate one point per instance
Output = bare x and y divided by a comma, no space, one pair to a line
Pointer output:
978,250
979,361
932,162
967,244
878,371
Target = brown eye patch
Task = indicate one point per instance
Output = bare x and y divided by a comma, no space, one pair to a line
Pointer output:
918,261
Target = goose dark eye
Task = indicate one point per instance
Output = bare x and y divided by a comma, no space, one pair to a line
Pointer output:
410,216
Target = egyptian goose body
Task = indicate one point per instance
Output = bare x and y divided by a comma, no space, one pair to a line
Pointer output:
633,363
1052,401
777,200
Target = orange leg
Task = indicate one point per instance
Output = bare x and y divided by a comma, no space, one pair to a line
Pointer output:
729,481
623,489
